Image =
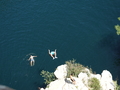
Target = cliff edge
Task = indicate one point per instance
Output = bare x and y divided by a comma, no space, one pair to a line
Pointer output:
82,81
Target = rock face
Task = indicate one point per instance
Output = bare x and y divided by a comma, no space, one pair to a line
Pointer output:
106,81
63,83
61,72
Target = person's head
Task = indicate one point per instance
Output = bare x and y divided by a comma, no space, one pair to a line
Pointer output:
70,76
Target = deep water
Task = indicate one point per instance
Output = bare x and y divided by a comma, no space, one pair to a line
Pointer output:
79,29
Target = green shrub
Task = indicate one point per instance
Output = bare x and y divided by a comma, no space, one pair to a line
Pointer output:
118,18
48,77
117,27
74,68
94,84
117,87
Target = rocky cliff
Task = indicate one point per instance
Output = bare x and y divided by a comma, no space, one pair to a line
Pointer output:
81,82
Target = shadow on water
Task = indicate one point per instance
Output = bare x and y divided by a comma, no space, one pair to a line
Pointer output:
39,70
107,41
37,84
112,42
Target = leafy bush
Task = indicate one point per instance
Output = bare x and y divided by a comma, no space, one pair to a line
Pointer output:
94,84
117,27
117,87
118,18
74,68
48,77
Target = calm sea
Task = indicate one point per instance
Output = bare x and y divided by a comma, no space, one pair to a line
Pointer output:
79,29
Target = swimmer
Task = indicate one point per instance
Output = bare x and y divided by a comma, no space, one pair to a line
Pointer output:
52,53
32,62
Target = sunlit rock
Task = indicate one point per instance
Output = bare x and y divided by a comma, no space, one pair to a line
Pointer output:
106,80
61,72
81,82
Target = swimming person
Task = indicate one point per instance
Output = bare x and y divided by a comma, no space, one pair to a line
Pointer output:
52,53
32,61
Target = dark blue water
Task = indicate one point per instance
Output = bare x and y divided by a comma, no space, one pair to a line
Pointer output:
79,29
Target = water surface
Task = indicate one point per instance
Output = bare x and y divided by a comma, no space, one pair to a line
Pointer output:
83,30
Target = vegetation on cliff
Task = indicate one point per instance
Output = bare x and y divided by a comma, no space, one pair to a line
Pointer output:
48,76
94,84
74,69
117,27
117,87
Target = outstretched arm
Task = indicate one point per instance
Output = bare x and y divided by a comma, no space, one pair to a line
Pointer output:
55,50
